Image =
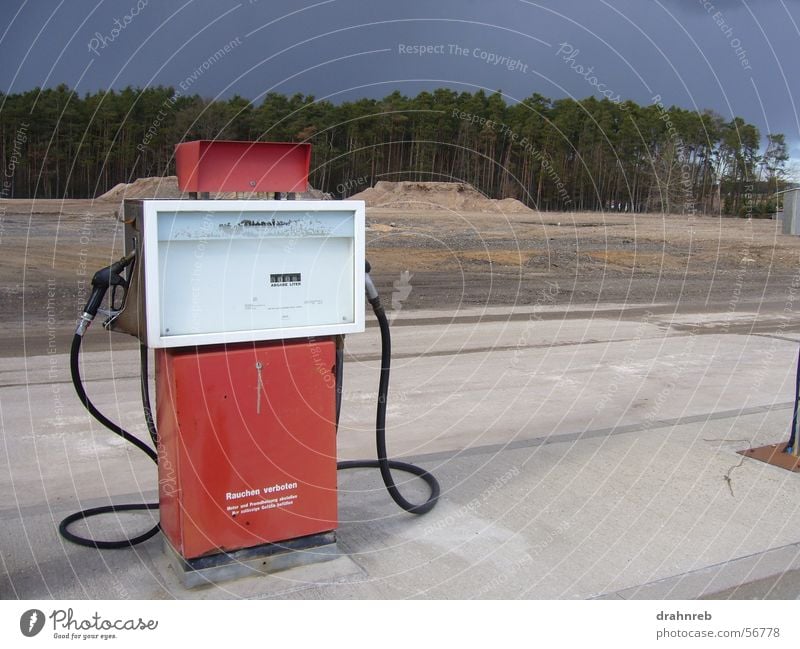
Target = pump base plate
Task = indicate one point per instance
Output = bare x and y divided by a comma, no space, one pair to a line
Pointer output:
251,562
774,454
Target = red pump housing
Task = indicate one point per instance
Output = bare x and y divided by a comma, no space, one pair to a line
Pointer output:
247,444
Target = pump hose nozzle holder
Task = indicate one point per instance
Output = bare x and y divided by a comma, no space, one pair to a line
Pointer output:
103,279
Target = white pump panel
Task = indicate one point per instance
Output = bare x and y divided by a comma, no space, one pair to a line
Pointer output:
223,271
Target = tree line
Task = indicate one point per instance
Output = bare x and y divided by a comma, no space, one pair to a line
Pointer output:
562,154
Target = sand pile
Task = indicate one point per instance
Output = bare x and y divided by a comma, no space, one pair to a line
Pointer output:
167,187
410,195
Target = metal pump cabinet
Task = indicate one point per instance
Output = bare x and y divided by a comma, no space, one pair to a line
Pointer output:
242,301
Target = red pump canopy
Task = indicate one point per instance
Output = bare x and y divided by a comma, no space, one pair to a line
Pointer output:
240,166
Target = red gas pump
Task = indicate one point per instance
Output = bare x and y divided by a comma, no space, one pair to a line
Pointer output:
248,365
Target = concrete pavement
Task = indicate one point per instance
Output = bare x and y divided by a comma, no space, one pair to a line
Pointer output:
582,453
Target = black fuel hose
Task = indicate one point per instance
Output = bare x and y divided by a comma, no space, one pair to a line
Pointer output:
63,528
383,463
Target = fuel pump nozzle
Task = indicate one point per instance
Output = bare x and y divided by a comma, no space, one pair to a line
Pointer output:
103,279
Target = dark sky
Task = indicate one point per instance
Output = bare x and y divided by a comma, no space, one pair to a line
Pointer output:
735,56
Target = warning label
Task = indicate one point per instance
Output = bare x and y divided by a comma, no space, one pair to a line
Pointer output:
262,499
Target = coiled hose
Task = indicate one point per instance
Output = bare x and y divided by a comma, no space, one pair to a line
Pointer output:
63,528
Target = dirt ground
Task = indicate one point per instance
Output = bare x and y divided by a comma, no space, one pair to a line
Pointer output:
437,260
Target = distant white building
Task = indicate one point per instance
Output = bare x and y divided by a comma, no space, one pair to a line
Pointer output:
791,210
